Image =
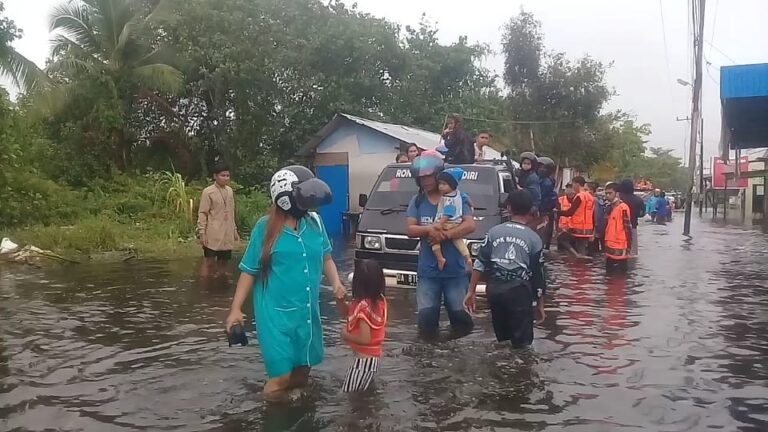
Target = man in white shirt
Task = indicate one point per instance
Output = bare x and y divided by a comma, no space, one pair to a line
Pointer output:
482,150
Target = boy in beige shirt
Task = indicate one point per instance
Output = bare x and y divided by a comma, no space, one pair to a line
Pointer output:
216,229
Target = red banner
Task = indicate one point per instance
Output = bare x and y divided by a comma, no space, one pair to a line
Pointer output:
719,169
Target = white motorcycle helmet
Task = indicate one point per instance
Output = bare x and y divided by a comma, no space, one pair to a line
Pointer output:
296,190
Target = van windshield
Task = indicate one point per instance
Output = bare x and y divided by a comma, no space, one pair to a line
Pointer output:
395,188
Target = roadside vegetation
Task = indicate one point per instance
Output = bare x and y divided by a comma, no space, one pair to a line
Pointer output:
108,146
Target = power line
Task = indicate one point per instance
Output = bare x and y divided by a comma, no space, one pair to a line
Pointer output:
664,36
721,52
520,121
709,72
688,47
714,25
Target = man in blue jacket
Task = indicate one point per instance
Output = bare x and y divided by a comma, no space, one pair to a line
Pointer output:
548,196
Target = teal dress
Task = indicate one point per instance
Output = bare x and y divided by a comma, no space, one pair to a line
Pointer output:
287,304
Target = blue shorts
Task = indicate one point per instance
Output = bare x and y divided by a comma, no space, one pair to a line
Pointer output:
432,292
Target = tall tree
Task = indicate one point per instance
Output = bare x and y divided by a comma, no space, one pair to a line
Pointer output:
260,82
106,52
548,87
23,73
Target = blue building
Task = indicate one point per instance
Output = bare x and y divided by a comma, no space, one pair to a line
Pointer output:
350,152
744,101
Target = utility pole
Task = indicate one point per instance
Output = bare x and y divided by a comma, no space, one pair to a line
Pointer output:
687,119
695,109
701,171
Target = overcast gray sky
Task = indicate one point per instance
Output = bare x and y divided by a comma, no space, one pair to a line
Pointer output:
628,33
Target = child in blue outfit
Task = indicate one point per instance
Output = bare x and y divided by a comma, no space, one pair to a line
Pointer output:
449,213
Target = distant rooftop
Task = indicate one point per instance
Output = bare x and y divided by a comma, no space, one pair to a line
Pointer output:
744,99
406,134
743,81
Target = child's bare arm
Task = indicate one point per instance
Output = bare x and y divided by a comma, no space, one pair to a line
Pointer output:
342,307
364,338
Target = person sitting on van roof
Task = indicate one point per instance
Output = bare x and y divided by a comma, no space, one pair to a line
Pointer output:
482,150
528,179
455,139
402,158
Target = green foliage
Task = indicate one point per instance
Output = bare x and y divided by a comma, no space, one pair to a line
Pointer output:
260,82
125,212
250,207
661,168
106,62
132,85
176,198
23,73
549,87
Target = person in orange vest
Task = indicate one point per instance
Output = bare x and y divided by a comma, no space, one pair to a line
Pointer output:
618,230
563,236
582,214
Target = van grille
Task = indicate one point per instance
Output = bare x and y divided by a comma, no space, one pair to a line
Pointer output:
403,244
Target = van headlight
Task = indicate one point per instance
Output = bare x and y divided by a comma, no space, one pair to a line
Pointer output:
474,248
371,242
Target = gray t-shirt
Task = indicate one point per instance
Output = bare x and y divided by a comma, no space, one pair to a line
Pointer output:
512,252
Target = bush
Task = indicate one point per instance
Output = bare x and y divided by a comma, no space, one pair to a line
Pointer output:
154,213
30,200
250,206
88,236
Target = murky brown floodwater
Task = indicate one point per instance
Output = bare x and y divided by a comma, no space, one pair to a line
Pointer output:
681,344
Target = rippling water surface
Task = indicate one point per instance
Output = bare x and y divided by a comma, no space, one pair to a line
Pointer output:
680,344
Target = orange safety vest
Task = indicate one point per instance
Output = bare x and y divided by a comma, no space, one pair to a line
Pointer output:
616,242
583,221
564,222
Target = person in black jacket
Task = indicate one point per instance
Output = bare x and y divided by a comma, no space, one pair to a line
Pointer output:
547,169
636,208
460,150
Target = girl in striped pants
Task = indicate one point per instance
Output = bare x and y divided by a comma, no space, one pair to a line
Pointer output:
366,324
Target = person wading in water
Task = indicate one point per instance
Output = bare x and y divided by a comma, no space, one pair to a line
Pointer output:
436,287
287,254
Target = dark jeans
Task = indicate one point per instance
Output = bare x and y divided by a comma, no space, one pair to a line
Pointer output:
549,230
580,244
595,247
219,255
431,293
512,311
613,266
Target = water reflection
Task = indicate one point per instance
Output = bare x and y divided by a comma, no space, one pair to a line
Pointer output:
676,343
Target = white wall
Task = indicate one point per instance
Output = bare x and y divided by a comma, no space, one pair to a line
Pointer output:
363,172
748,196
364,168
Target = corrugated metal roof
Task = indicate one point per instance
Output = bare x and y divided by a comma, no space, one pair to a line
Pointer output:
742,81
424,139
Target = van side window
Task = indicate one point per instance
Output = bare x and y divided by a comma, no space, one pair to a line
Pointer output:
506,182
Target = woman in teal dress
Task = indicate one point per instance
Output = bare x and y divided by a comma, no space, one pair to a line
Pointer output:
286,256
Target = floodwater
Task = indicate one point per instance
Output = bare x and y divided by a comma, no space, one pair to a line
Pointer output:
680,344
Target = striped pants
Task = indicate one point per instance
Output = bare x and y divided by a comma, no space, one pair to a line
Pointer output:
360,374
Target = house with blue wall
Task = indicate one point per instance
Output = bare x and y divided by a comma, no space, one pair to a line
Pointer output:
744,128
350,152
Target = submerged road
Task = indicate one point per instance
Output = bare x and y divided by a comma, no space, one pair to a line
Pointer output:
678,344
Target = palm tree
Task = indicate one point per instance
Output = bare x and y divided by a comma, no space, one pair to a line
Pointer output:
112,38
112,42
22,72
